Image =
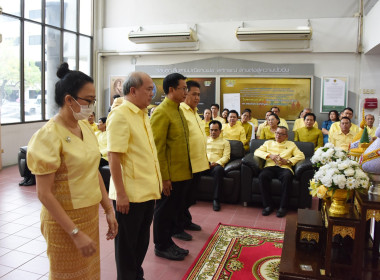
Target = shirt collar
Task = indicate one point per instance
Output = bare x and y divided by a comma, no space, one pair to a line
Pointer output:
187,107
135,109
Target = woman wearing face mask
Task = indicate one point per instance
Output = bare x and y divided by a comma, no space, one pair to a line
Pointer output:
268,132
232,130
64,156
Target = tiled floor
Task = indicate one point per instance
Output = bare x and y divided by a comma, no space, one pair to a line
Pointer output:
23,249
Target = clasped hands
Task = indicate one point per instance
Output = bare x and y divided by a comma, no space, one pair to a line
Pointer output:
279,160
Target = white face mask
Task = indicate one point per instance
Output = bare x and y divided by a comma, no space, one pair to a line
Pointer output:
85,111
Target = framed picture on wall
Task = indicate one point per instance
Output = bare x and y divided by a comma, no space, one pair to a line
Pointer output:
116,86
334,94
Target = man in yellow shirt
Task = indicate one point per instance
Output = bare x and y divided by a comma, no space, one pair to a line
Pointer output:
171,135
280,156
349,113
370,119
252,121
215,113
344,136
218,154
309,133
93,124
283,122
198,157
264,124
136,179
298,123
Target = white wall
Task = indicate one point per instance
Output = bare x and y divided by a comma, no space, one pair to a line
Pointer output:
15,136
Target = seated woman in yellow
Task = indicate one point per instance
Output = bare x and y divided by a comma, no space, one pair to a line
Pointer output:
248,128
64,156
101,135
268,132
232,130
264,124
206,120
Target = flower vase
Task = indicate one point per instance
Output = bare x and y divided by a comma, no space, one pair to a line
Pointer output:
339,202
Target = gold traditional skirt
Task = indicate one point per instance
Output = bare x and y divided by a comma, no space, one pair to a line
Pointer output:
66,261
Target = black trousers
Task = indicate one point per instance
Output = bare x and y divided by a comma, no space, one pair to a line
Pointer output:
218,173
265,178
132,241
166,214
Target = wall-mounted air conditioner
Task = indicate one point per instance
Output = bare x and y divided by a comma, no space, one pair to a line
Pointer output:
273,34
165,36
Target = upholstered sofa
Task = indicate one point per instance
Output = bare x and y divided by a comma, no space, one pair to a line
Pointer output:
299,196
231,181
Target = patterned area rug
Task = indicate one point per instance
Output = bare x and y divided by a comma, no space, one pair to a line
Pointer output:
234,252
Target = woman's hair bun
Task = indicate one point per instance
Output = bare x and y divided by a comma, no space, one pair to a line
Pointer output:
63,70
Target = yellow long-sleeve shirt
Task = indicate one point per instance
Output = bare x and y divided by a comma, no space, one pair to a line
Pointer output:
254,121
207,127
235,132
286,149
298,123
313,135
197,139
260,128
218,150
341,140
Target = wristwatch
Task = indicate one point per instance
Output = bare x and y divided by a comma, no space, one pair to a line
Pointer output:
74,232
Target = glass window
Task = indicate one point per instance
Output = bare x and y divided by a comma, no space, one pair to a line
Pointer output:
10,70
53,12
70,15
11,7
69,49
32,72
85,55
33,10
53,51
85,17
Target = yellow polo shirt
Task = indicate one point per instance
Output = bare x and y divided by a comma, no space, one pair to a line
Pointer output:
235,132
286,149
248,128
336,127
218,150
260,128
219,118
313,135
371,131
339,139
207,127
102,140
266,133
129,133
298,123
197,139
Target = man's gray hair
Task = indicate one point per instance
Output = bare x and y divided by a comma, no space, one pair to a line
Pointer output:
134,80
283,127
369,115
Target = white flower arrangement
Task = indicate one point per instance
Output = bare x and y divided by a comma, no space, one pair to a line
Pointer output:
328,153
341,174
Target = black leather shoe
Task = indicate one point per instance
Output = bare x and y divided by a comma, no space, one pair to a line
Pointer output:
216,205
193,227
183,236
281,212
267,211
30,182
170,253
181,250
23,181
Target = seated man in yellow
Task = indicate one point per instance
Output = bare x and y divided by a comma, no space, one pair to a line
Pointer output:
301,121
101,134
90,120
218,154
252,120
349,113
309,133
344,136
276,111
232,130
248,128
264,124
370,119
280,156
206,121
215,113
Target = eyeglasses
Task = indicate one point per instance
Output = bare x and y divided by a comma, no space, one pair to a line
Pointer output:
281,134
182,88
90,102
